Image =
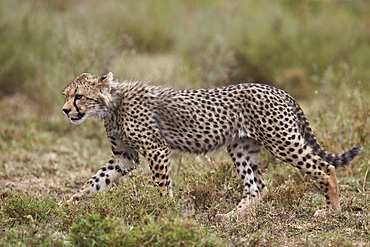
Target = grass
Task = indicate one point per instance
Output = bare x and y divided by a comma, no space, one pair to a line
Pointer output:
317,50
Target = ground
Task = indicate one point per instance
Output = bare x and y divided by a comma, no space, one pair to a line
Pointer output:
50,159
44,159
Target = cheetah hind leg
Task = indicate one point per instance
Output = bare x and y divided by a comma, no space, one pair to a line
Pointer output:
245,154
325,176
321,171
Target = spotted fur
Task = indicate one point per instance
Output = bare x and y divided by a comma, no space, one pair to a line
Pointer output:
152,121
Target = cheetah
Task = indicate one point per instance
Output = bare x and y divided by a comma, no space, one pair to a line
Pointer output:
151,121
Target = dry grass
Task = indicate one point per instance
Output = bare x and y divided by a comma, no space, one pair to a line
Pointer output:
44,158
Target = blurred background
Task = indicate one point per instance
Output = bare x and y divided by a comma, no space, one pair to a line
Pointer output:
304,47
319,51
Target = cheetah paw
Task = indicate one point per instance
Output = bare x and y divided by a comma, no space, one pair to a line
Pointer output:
320,213
230,216
71,201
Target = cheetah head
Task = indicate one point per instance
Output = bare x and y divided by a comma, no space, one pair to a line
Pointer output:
88,95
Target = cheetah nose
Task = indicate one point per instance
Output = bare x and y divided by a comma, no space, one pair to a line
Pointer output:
66,111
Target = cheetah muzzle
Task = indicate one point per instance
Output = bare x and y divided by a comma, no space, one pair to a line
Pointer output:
152,121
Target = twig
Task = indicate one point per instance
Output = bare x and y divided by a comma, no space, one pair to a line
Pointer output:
367,171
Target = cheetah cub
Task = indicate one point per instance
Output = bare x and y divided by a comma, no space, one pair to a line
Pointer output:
152,121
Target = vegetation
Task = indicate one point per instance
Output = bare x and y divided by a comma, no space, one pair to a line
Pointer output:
317,50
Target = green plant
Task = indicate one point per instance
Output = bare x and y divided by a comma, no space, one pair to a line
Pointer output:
317,50
93,230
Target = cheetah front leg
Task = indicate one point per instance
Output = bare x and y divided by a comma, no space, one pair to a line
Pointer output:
119,165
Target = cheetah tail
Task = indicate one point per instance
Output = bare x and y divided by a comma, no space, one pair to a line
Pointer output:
340,160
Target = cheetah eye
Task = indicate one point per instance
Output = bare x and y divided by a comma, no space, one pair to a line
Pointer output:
78,96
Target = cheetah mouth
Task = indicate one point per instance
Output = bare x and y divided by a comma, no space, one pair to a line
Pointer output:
78,119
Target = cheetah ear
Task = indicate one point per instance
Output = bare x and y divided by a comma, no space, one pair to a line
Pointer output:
104,88
106,79
104,82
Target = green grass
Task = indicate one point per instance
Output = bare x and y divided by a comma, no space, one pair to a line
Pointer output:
317,50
